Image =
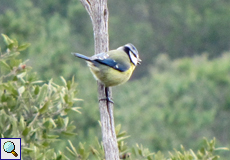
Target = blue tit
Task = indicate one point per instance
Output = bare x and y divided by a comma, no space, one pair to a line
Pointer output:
115,66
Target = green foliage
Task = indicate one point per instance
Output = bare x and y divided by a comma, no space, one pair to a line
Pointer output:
208,150
32,109
50,31
175,27
181,101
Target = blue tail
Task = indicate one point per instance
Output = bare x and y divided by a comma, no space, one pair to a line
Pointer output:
81,56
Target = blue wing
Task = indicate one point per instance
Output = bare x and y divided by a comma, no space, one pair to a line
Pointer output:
103,58
113,64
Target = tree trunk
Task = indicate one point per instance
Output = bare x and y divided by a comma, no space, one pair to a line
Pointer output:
99,13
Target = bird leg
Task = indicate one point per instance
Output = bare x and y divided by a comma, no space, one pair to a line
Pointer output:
107,98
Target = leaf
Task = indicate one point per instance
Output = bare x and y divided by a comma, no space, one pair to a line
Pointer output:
52,136
71,152
15,42
63,80
23,46
42,94
21,90
37,89
27,149
122,138
10,88
66,98
77,99
73,148
33,136
46,143
60,122
76,109
68,133
7,40
193,154
94,151
52,121
69,84
4,98
22,123
118,128
5,65
222,148
121,134
66,121
11,55
21,75
59,157
81,149
11,46
70,128
45,107
9,130
15,63
134,151
26,131
35,82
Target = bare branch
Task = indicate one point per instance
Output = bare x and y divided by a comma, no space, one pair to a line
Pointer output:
98,11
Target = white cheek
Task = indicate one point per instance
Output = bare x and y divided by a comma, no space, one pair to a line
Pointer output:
133,59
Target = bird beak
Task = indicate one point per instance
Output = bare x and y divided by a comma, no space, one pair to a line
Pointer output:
139,61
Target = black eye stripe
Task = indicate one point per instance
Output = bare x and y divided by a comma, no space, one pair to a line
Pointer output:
133,53
130,49
126,49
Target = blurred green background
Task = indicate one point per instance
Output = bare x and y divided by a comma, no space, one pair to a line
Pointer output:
178,95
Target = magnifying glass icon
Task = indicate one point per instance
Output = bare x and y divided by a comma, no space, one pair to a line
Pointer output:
9,147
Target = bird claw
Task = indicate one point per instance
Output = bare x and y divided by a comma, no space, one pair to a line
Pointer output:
106,99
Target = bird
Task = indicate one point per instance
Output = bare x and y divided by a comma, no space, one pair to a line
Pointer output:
114,67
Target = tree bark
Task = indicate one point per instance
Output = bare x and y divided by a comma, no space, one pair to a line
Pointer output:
99,14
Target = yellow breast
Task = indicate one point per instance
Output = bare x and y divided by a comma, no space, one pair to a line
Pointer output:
109,76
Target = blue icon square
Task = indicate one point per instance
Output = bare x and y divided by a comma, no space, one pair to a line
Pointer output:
10,148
